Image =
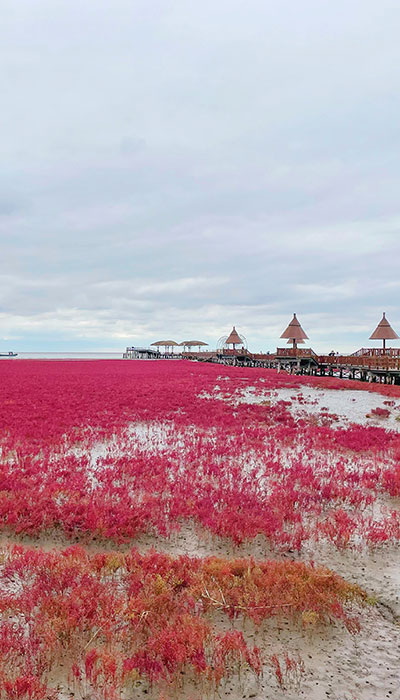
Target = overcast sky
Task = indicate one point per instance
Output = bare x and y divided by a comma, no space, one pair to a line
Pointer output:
170,168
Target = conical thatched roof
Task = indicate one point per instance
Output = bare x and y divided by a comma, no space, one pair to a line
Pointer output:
294,331
234,338
384,331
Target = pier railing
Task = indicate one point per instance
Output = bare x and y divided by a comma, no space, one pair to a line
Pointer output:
377,352
374,359
296,352
199,355
366,361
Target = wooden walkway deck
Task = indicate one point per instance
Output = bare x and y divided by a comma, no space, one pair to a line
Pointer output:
365,365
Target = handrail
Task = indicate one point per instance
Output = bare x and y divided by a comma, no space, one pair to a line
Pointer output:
295,352
377,352
367,361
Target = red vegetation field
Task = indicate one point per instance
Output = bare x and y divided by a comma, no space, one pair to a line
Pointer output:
107,451
175,452
146,616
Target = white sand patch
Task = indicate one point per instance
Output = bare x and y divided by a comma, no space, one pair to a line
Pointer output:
338,666
350,406
153,438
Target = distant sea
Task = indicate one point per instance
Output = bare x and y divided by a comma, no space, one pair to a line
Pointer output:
66,356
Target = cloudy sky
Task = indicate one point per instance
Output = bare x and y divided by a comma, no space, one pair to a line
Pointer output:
170,168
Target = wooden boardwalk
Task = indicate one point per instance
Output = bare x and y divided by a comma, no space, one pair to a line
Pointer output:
365,365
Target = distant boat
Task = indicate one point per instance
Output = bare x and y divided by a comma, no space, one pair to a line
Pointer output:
8,354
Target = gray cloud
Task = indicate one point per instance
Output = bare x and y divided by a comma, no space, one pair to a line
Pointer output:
173,168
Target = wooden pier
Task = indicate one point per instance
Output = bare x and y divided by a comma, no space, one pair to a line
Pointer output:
133,353
382,366
368,367
365,365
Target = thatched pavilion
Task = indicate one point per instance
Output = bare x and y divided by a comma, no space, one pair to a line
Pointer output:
384,332
170,344
294,332
192,344
232,339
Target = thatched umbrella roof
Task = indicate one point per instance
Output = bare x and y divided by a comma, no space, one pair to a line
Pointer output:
384,331
234,338
294,331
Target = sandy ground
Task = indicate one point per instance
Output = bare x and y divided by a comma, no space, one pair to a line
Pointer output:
337,664
348,405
